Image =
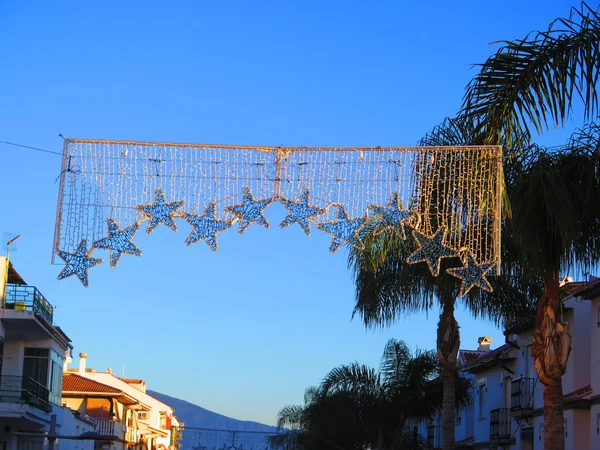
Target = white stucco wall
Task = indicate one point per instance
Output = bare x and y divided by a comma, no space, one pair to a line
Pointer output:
155,405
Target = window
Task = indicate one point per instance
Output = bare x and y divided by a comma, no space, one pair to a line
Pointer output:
35,365
44,366
528,362
482,397
56,376
163,420
459,419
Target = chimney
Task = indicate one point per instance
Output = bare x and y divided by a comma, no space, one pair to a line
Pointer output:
82,359
484,343
109,370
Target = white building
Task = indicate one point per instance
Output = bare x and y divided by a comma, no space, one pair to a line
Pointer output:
32,353
507,409
156,423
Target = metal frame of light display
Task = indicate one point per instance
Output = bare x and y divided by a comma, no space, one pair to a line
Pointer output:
447,199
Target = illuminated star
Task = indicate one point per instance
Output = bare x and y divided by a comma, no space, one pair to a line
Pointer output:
343,230
118,242
249,211
431,250
160,212
206,227
78,263
472,274
300,212
392,216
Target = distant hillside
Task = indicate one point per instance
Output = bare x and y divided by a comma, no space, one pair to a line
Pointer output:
195,416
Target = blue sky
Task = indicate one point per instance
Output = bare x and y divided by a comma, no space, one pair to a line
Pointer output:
242,331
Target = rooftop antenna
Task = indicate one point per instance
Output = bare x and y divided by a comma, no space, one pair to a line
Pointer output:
8,244
123,371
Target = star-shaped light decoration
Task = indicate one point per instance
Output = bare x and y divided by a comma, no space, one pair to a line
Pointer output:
118,242
392,216
343,230
472,274
250,210
431,250
160,212
78,263
206,227
300,212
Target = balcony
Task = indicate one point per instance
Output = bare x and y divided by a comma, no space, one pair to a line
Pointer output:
22,297
24,390
500,426
521,397
131,435
113,429
108,427
434,437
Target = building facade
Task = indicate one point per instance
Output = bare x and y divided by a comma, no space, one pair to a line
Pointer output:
155,422
32,354
507,408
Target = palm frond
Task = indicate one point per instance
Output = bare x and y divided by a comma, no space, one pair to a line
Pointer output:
533,82
386,285
395,359
351,378
290,416
557,215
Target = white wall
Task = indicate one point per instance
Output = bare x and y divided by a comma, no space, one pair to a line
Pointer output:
155,405
595,346
74,426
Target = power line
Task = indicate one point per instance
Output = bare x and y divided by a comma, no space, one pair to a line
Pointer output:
31,148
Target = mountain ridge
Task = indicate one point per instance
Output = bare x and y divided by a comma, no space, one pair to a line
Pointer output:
194,416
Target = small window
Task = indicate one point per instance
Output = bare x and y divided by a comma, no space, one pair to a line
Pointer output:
458,419
163,420
482,400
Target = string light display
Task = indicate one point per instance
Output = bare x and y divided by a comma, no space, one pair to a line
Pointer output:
250,211
118,242
343,229
472,274
160,211
300,212
392,216
78,263
450,188
431,250
206,227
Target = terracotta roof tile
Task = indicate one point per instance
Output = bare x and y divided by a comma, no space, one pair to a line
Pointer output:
488,356
131,380
468,356
76,383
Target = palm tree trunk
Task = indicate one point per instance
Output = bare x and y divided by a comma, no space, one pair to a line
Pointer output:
448,342
550,351
380,439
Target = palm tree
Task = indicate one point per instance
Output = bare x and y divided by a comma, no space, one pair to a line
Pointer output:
357,407
532,83
556,225
387,287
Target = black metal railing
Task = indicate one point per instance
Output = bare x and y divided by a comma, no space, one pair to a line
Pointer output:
14,389
434,437
521,394
500,424
28,298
